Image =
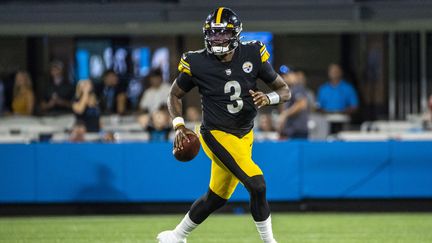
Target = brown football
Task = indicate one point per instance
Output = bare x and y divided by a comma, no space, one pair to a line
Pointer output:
189,151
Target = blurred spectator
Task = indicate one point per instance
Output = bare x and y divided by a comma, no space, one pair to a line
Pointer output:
294,114
134,92
265,123
85,106
108,137
301,78
193,118
266,130
430,106
143,119
23,96
156,94
337,95
160,127
193,114
112,94
427,117
2,96
78,132
59,93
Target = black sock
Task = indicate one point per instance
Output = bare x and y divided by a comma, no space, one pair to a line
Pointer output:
258,202
204,206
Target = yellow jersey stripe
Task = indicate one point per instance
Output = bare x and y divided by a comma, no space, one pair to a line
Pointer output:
265,57
184,70
263,51
184,62
219,15
186,67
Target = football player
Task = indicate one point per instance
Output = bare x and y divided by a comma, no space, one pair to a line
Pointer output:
226,74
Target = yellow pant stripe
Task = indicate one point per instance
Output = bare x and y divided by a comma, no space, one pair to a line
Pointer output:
222,181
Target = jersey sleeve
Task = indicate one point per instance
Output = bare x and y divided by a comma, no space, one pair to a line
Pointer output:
184,65
185,79
185,82
265,55
266,71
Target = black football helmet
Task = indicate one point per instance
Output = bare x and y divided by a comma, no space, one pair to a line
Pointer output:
222,31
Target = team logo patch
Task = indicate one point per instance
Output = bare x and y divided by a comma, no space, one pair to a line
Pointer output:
247,67
228,72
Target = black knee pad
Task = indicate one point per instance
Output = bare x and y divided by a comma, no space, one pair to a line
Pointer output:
255,184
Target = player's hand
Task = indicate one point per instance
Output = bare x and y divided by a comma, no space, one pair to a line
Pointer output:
260,99
181,134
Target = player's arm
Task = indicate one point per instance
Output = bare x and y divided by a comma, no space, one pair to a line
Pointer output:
175,108
182,84
175,105
281,92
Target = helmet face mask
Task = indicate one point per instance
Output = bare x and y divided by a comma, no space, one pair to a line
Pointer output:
219,40
222,31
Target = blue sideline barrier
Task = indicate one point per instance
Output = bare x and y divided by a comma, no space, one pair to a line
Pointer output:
147,172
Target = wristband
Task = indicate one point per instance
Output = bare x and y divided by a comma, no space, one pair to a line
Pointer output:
178,121
273,97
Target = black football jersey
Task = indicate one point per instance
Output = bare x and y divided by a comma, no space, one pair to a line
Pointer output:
224,87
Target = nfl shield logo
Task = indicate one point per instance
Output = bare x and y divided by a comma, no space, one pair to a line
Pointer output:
228,72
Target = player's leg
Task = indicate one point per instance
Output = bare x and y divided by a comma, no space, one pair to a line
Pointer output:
222,185
236,155
198,212
259,206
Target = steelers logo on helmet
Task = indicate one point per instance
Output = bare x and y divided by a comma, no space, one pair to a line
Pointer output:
222,30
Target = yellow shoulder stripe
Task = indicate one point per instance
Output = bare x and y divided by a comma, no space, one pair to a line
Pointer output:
184,70
265,56
184,67
219,15
184,62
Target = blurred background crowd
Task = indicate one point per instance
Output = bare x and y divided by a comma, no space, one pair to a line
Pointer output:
94,76
135,110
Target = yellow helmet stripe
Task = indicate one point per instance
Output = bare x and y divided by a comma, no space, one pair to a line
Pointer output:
219,15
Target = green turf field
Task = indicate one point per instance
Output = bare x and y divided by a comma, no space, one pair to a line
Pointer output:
300,228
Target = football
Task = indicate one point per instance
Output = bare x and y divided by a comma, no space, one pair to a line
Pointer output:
189,151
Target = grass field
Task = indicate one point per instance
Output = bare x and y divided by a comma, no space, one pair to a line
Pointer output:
302,228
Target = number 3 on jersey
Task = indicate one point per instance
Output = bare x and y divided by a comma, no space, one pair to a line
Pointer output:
238,105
